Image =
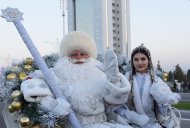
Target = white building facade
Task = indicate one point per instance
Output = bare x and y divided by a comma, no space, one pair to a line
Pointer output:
106,20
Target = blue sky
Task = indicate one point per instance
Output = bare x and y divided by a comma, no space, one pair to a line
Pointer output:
163,26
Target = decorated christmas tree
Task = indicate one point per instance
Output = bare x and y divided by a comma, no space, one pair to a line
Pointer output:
30,114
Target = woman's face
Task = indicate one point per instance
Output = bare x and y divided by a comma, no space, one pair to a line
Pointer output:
140,62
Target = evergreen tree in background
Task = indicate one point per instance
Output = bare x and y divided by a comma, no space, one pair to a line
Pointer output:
170,76
188,75
178,74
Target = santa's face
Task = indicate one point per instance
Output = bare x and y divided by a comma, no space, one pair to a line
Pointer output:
78,57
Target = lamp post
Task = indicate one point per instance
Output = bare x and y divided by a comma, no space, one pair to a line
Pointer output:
65,17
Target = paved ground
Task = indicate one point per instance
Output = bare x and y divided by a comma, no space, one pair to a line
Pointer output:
185,123
185,97
185,118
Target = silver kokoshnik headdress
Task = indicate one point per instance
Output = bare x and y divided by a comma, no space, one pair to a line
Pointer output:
142,49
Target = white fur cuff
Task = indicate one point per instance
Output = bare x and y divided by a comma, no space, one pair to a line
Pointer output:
118,95
162,93
34,89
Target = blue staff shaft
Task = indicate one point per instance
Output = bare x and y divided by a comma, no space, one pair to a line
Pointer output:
42,65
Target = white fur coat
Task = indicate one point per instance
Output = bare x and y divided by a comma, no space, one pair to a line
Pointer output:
144,93
87,88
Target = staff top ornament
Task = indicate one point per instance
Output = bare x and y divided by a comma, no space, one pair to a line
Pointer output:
12,14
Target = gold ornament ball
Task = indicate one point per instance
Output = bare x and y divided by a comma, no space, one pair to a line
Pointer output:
22,76
11,76
10,108
165,79
165,75
28,67
16,105
36,126
24,121
16,93
29,61
57,126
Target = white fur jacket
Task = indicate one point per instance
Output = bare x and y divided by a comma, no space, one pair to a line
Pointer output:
153,99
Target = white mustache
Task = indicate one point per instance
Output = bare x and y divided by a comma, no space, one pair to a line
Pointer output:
80,60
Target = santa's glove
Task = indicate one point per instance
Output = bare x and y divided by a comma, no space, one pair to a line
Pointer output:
34,90
58,106
136,118
111,66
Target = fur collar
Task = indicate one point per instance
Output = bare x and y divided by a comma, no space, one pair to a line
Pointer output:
143,101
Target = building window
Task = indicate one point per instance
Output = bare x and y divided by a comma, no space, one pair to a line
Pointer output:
114,31
113,4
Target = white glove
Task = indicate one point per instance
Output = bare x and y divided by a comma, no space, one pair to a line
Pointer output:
122,120
136,118
57,106
111,67
116,117
132,116
34,90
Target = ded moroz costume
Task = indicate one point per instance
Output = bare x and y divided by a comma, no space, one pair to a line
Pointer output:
87,86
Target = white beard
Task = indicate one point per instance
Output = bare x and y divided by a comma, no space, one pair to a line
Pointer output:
82,84
72,73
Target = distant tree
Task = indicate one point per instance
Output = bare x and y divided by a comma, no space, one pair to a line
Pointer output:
178,74
188,75
124,64
170,76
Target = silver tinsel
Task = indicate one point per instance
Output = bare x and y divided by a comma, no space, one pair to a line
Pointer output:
6,88
49,120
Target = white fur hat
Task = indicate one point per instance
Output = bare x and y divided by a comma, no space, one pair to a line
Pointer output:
78,40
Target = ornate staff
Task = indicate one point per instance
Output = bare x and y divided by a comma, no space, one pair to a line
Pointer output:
15,16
